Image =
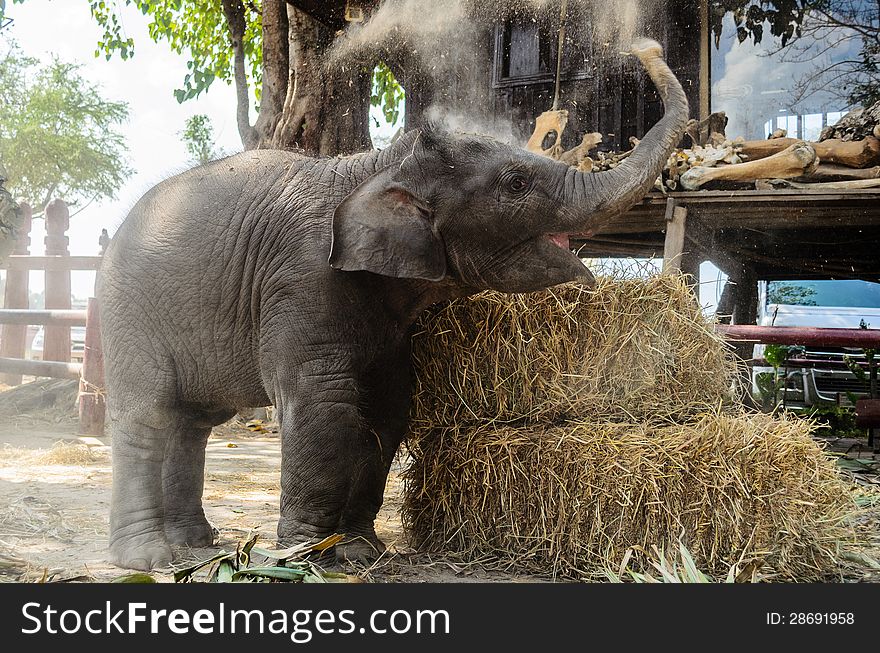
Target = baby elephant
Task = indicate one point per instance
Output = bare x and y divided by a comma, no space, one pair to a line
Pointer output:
271,277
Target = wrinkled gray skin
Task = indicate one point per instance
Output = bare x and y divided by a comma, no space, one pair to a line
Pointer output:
269,277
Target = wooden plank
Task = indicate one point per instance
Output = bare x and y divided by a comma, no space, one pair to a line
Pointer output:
763,195
56,318
742,212
851,215
54,370
53,263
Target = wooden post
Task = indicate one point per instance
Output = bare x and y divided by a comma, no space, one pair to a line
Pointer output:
705,61
56,346
92,402
725,305
679,256
673,247
690,266
745,305
13,337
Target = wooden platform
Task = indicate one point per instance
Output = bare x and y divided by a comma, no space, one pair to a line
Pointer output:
781,234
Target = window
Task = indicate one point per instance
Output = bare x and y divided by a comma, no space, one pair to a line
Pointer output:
525,50
806,127
843,293
800,88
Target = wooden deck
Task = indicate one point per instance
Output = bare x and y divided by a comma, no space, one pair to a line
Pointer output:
779,234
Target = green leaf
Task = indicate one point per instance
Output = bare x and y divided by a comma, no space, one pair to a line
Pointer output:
225,571
855,465
185,575
694,575
275,573
136,578
299,549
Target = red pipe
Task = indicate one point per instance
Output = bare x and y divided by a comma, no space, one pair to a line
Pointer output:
856,338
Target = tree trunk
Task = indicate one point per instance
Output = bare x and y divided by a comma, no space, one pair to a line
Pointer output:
276,70
306,104
327,107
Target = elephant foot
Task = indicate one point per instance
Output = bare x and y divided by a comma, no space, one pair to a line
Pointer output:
195,532
142,552
363,550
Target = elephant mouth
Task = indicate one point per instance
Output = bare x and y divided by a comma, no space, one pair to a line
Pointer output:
562,241
573,263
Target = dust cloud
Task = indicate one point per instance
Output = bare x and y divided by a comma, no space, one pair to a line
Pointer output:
416,23
450,40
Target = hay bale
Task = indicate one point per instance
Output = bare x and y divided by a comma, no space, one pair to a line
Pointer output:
630,349
563,431
571,500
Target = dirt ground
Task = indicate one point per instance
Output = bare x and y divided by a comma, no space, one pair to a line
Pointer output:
55,496
55,499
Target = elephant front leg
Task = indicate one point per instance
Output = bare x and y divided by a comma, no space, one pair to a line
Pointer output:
320,424
386,411
374,452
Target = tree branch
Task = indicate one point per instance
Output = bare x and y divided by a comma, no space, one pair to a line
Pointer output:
234,12
865,30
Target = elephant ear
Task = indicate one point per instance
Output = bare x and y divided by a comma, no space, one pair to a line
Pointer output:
382,227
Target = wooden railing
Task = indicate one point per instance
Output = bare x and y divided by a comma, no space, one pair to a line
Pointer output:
57,318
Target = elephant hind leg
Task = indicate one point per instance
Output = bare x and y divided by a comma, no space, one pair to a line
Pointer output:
183,483
183,480
137,514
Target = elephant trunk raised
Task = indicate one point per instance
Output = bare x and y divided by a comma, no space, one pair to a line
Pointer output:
596,198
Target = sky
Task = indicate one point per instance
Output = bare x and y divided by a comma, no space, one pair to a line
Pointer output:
146,82
754,84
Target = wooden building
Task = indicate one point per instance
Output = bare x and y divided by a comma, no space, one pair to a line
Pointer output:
502,70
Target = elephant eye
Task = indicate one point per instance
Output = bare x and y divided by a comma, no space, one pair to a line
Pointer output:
517,183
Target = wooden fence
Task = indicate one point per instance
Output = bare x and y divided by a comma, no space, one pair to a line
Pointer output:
57,318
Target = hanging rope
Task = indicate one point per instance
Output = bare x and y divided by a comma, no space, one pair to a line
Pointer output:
563,12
